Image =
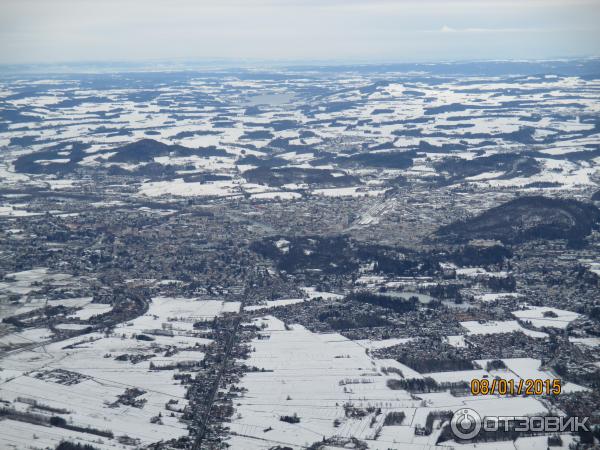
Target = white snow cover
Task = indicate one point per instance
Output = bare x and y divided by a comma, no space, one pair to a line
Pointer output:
499,326
101,378
314,375
544,316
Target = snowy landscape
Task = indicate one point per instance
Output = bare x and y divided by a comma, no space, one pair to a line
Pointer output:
313,257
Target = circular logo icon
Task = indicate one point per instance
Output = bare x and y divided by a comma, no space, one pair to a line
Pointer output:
465,423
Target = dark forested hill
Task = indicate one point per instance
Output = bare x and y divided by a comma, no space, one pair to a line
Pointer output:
528,218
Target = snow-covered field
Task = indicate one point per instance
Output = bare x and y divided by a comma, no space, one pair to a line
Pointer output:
85,376
543,316
310,293
497,326
487,118
314,375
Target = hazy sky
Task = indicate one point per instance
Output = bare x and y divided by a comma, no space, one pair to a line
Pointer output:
327,30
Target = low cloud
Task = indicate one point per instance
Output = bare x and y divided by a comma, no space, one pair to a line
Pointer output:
448,29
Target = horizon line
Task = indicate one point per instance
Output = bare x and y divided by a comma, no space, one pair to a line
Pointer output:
252,63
